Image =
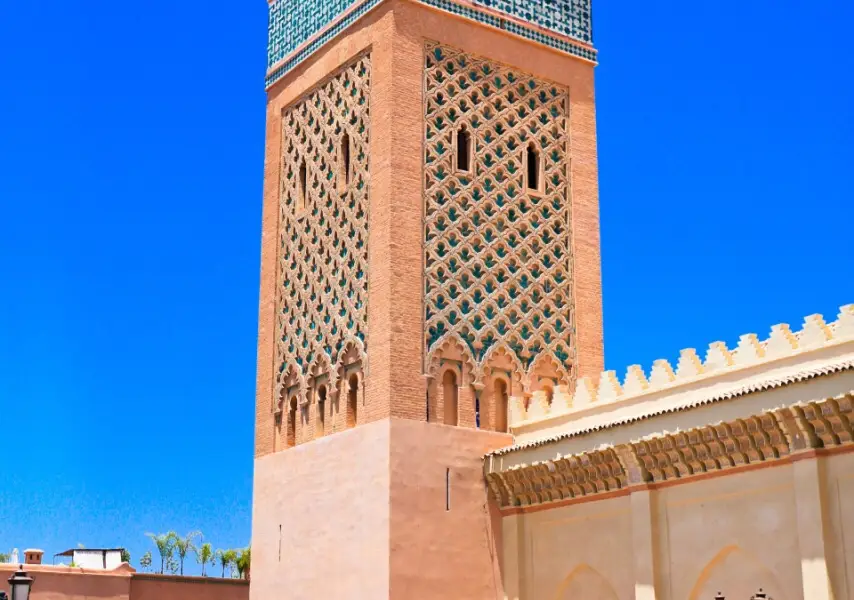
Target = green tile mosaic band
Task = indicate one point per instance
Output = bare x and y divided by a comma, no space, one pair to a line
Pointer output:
293,22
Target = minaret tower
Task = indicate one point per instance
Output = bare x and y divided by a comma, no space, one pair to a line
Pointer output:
430,260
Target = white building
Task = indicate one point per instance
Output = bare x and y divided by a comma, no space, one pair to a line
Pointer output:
94,558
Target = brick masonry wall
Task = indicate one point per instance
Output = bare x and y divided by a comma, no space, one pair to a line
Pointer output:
367,34
421,23
395,34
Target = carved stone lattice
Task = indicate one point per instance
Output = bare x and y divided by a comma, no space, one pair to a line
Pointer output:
497,254
323,269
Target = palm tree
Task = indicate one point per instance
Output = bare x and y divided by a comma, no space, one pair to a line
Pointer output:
183,545
145,561
165,543
205,555
243,562
172,565
226,558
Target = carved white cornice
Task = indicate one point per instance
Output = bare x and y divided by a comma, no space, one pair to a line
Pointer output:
771,436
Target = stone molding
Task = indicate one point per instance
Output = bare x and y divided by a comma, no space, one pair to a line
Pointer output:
766,438
719,361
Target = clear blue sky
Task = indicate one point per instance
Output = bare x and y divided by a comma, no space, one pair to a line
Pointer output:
131,140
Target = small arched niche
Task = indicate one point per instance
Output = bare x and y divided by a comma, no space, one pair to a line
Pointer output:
291,436
549,393
352,400
501,398
321,410
450,391
585,582
735,573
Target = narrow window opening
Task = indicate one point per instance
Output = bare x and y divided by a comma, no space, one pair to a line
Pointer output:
501,406
292,422
463,149
303,185
550,393
477,410
280,542
344,175
277,433
447,489
532,160
449,393
352,401
321,409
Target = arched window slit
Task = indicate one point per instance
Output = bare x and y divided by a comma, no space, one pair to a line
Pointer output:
352,401
321,410
303,185
345,167
449,393
532,162
463,149
501,406
292,422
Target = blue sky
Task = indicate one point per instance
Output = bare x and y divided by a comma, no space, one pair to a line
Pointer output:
132,151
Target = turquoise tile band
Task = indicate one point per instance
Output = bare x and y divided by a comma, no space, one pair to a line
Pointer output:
293,22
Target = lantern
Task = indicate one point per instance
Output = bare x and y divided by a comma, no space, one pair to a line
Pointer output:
20,584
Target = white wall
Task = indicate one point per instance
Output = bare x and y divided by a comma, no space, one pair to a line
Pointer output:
94,559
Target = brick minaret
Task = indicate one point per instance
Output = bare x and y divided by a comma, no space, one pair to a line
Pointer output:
430,258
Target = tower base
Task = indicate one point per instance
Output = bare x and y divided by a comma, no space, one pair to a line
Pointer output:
391,509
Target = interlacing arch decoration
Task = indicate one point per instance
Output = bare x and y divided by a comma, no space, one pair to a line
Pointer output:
323,271
497,255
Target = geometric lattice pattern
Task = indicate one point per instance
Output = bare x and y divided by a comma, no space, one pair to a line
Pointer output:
497,255
298,28
324,227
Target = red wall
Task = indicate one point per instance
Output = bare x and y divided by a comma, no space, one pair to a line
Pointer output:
166,587
66,583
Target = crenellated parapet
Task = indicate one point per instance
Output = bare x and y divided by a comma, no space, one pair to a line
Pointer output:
719,372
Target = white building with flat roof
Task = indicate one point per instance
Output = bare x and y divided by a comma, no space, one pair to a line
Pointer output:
94,558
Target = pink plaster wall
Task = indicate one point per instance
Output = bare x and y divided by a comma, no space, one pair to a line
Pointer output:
363,515
330,499
66,583
435,552
160,587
